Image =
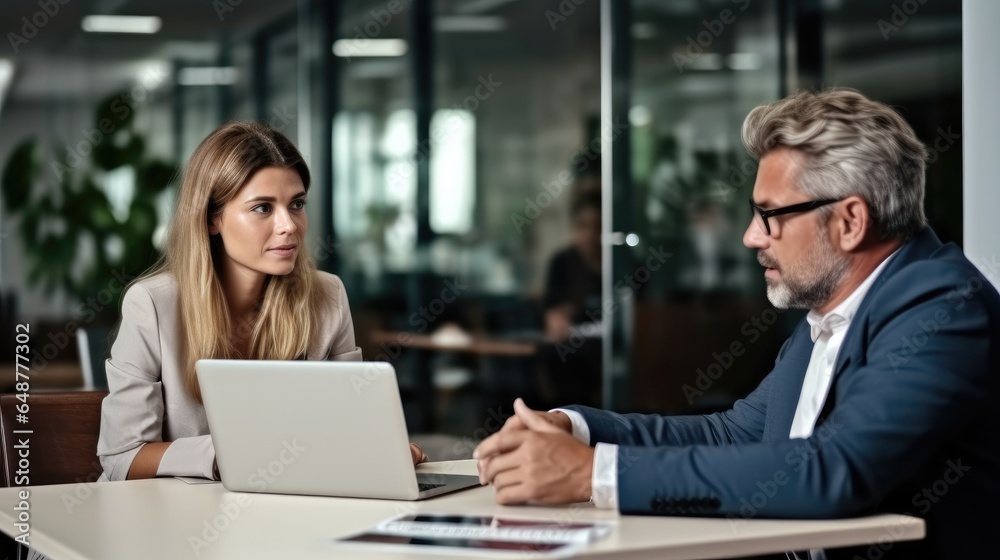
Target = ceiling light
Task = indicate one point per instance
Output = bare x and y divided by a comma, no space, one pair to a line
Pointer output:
207,76
459,24
348,48
480,6
121,24
743,61
707,61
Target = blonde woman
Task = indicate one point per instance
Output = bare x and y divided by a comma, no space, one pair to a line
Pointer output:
235,282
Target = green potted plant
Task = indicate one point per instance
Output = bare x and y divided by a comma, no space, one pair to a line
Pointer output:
61,206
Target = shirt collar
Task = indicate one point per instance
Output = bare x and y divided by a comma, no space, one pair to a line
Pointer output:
841,316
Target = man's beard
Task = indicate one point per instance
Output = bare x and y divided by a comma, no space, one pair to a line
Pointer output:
806,284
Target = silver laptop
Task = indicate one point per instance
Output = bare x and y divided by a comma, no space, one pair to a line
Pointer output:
314,428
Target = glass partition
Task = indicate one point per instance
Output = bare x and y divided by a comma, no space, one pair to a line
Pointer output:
699,332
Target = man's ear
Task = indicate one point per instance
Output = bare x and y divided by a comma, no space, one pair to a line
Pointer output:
851,222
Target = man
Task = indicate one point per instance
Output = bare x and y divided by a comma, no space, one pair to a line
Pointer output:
884,398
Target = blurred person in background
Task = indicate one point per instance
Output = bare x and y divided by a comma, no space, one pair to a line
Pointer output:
572,303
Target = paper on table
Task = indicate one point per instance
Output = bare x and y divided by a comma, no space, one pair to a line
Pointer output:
481,535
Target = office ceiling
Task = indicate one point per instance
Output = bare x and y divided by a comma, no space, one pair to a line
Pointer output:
61,61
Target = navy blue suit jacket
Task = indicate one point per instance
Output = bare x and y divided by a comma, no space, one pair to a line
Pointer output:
911,423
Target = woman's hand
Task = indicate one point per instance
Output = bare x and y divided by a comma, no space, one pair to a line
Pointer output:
417,454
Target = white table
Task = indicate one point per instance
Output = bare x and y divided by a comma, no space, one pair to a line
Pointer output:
170,519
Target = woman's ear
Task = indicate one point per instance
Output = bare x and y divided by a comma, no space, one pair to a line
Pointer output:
213,225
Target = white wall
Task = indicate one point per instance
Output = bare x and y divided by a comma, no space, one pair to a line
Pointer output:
981,130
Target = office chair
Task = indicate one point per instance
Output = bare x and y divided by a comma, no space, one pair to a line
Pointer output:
63,443
94,349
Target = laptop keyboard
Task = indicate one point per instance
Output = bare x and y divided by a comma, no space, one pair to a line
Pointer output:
423,486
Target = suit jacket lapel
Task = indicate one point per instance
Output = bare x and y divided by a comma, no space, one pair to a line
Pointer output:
831,396
851,352
855,342
789,372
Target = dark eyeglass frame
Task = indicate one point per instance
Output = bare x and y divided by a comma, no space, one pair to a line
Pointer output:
800,207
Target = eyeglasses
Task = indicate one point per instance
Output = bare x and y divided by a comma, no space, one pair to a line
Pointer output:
761,216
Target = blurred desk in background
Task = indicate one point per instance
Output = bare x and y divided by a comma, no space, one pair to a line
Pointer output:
55,375
472,345
392,342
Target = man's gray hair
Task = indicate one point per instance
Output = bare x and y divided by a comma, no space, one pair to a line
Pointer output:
854,146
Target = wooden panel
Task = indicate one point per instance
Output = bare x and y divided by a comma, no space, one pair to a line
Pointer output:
63,444
683,359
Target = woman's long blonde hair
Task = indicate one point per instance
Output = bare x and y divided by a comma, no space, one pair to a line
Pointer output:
290,306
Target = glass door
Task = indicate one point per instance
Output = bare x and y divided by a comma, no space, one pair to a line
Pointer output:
688,327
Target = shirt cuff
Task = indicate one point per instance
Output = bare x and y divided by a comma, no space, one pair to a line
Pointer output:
581,430
190,456
605,478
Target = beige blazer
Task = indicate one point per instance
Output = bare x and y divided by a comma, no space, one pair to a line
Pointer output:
147,401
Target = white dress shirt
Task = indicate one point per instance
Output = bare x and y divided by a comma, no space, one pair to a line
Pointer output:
827,332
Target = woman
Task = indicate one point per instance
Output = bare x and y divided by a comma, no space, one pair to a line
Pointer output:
235,282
